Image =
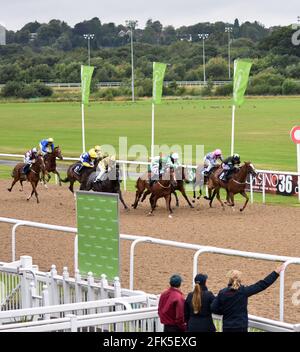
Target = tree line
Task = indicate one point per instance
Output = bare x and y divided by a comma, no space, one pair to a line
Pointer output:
53,52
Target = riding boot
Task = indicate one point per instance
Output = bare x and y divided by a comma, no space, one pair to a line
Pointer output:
26,169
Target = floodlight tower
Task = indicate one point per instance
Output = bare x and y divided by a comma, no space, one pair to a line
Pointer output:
203,36
89,36
131,25
229,30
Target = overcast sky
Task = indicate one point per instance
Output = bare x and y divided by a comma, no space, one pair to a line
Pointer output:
15,13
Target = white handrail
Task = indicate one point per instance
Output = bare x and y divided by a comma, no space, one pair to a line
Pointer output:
198,248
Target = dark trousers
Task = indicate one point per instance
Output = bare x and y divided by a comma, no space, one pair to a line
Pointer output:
235,330
171,328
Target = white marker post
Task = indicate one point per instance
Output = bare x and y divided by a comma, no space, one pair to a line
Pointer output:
82,128
295,135
152,133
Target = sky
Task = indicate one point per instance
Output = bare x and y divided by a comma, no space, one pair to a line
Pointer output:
14,14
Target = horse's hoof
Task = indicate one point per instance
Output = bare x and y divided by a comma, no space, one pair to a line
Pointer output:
170,216
9,190
177,205
127,209
241,210
192,207
150,214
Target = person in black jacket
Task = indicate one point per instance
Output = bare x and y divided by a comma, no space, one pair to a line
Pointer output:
197,311
232,301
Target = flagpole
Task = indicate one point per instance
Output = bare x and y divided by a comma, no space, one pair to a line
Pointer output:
82,127
152,134
232,129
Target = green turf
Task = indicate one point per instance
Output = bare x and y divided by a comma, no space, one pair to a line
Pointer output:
262,126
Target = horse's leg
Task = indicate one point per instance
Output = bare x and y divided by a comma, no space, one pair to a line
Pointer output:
35,192
219,199
22,189
71,187
57,173
145,195
138,195
211,198
244,194
177,201
194,193
122,200
152,200
182,190
168,204
15,180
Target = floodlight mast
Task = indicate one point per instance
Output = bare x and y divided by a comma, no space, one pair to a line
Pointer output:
229,30
131,25
89,36
203,36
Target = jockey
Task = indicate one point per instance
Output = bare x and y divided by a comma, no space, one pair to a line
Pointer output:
87,160
160,164
105,165
174,160
99,152
30,158
229,166
47,146
211,160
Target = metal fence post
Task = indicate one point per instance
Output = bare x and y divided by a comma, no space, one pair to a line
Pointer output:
264,188
124,169
251,189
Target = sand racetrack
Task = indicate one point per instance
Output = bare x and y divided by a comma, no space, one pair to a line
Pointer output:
262,228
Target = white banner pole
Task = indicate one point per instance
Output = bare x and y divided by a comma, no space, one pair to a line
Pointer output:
232,130
82,126
298,162
152,133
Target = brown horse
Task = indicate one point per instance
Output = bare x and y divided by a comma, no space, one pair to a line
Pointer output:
33,175
50,162
163,189
72,177
237,184
180,180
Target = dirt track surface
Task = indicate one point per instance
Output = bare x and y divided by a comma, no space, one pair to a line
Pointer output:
264,229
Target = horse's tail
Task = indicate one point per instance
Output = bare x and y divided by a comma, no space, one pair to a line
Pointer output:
65,180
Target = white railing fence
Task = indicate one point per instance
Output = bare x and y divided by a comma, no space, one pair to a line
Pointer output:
66,283
126,163
37,289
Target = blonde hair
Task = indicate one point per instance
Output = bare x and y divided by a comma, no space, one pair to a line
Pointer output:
197,299
235,279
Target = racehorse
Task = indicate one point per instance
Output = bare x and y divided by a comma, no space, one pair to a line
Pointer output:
200,180
50,162
33,175
72,177
163,189
110,184
236,184
180,180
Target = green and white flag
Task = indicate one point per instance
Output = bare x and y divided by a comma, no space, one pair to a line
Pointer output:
158,80
241,76
86,78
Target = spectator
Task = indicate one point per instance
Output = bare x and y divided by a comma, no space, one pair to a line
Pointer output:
232,301
197,312
171,307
